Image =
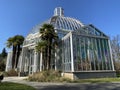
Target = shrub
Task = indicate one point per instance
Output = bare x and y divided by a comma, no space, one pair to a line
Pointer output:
48,76
118,73
37,77
2,64
12,72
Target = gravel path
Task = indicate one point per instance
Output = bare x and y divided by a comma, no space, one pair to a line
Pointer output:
64,86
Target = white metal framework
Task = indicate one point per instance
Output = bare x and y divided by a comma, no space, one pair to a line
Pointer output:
82,47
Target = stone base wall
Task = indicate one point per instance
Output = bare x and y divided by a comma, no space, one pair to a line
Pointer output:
90,74
68,75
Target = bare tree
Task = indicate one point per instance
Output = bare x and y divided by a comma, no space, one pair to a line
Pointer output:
115,45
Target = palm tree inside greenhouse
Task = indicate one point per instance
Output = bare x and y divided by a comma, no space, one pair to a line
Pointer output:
65,44
42,48
48,38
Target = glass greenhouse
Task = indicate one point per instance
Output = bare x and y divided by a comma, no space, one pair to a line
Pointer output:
83,51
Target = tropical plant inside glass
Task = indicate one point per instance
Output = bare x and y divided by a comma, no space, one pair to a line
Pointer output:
49,40
15,43
42,48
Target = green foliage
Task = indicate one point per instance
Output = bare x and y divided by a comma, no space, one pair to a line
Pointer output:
48,40
4,53
3,56
41,46
19,39
15,42
14,86
48,33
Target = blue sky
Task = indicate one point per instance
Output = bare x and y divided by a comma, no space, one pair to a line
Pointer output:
19,16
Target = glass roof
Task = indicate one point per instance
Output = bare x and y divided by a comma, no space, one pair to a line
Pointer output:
59,22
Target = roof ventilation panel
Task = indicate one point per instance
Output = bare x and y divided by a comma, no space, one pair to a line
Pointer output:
59,11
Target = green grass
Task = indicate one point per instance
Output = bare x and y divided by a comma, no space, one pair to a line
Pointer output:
97,80
14,86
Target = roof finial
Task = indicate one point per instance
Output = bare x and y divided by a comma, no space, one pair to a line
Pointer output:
59,11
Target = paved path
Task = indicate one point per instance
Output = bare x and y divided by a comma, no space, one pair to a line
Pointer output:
65,86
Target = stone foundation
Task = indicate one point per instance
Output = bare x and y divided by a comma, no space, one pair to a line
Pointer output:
68,75
90,74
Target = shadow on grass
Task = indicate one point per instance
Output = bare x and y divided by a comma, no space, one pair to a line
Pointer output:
14,86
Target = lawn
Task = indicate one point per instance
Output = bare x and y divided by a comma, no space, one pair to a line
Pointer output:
14,86
97,80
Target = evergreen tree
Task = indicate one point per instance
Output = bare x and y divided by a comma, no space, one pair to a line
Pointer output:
3,56
4,53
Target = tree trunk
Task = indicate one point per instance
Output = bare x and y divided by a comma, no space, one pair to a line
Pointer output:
18,54
49,55
48,58
13,56
45,60
41,61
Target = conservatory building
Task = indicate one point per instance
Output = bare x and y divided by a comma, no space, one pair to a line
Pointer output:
83,50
